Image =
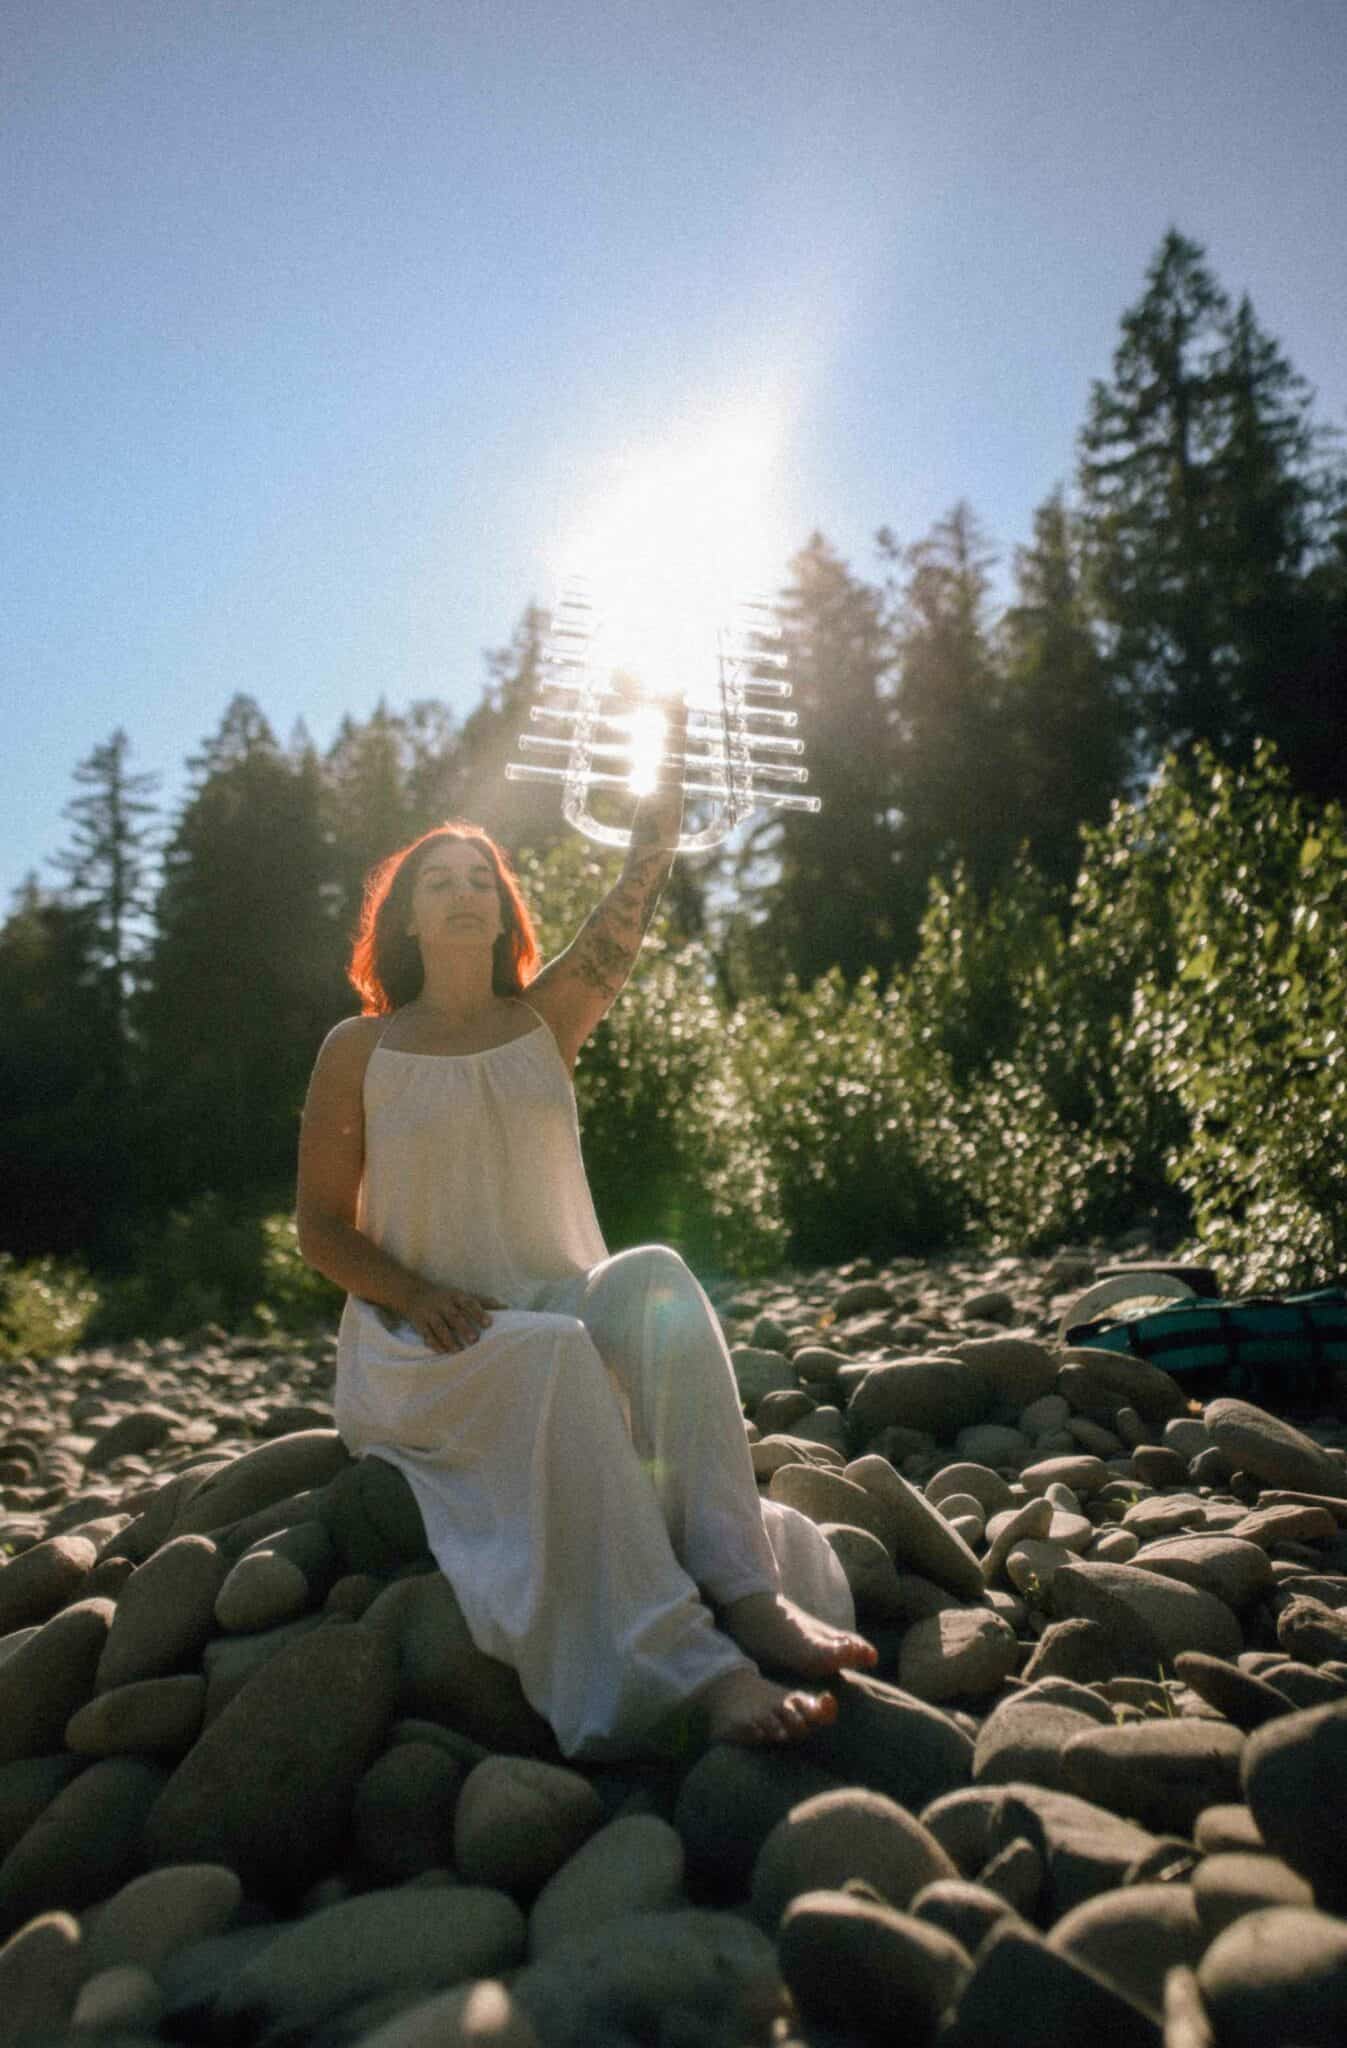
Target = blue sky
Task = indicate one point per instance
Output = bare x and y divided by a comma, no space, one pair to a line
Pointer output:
320,320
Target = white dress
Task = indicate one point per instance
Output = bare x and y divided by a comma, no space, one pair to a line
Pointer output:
582,1468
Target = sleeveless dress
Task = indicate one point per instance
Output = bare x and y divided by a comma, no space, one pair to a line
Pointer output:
582,1468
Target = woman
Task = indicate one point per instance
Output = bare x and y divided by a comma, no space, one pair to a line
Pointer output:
568,1422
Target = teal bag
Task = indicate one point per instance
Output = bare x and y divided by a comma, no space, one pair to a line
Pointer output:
1284,1346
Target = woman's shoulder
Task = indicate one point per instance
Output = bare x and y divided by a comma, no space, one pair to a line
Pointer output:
349,1044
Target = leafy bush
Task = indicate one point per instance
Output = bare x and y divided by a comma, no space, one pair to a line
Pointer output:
851,1109
1250,1034
234,1262
45,1306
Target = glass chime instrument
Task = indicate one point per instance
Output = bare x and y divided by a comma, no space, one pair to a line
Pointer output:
602,729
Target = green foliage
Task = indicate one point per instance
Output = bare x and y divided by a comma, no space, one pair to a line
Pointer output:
850,1108
1250,1034
45,1306
215,1260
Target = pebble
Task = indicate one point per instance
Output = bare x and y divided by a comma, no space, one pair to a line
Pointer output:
857,1965
1278,1975
839,1836
633,1865
518,1820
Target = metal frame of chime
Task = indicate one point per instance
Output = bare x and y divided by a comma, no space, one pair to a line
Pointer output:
739,752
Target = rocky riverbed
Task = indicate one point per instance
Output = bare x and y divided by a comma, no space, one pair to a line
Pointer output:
258,1786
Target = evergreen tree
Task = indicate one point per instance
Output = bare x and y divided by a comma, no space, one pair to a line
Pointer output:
244,973
1067,731
956,783
59,1160
822,890
107,866
1201,495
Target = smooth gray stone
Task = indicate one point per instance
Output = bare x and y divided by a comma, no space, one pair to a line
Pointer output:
49,1679
1145,1614
165,1613
962,1908
687,1976
1022,1992
1133,1937
835,1837
1278,1975
1285,1771
269,1787
1274,1451
1247,1702
1228,1885
854,1964
890,1742
730,1801
409,1939
86,1844
1024,1740
940,1395
1085,1848
1160,1773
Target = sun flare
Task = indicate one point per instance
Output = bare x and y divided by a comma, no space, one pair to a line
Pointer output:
683,534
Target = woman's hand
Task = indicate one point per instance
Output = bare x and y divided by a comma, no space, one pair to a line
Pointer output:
450,1318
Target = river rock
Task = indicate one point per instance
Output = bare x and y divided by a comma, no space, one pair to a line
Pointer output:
402,1819
38,1581
443,1676
370,1512
758,1372
1133,1937
40,1970
829,1497
1285,1770
1279,1455
1160,1773
287,1465
482,2014
143,1429
407,1940
1147,1616
729,1802
155,1915
1017,1370
966,1910
889,1741
990,1490
922,1540
835,1837
870,1573
1085,1849
1235,1882
84,1845
1312,1633
1020,1987
157,1716
165,1613
634,1865
941,1395
994,1444
518,1820
860,1966
1232,1569
1105,1381
1023,1740
47,1680
962,1652
1279,1975
1245,1700
269,1787
688,1976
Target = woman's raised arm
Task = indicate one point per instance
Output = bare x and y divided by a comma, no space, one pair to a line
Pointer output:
575,991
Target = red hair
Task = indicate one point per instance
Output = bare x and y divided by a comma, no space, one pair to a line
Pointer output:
385,968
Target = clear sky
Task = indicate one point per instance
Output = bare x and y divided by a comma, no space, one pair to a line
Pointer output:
321,320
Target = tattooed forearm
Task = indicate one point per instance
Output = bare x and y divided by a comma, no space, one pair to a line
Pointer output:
610,938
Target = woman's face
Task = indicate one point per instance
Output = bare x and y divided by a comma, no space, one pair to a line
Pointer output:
455,900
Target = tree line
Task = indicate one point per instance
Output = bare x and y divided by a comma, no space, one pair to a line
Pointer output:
1188,590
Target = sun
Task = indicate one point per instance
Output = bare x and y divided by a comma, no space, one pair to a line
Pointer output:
681,536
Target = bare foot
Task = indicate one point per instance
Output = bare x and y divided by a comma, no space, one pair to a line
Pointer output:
774,1631
743,1706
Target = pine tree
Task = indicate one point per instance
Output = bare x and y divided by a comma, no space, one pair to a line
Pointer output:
956,783
108,873
823,889
1201,494
243,976
1067,732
